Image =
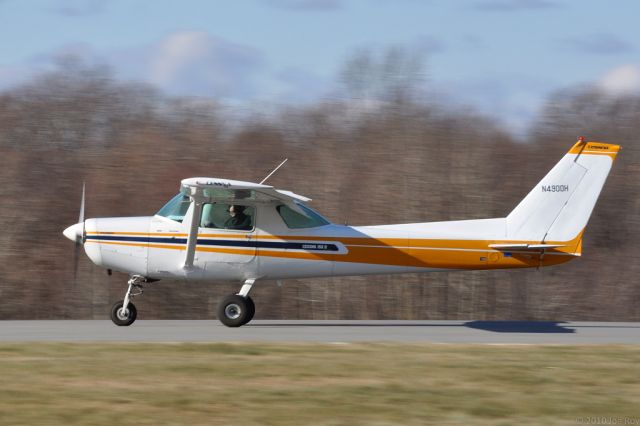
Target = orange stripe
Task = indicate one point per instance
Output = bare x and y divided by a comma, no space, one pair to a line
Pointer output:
595,148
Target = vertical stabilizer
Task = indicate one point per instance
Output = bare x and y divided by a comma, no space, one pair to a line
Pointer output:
559,206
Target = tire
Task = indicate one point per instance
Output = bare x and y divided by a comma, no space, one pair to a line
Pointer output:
233,310
251,310
123,320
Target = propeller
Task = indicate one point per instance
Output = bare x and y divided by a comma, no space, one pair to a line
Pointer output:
77,234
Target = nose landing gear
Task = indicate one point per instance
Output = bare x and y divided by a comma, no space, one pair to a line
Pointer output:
123,312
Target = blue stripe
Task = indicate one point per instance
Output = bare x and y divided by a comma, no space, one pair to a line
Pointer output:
224,243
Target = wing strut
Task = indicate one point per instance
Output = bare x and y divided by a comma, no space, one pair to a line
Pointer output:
192,240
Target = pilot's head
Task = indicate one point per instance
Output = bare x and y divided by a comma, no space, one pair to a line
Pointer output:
234,210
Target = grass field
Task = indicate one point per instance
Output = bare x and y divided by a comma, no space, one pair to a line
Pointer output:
317,384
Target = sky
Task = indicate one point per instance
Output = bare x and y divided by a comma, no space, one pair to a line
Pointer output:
502,57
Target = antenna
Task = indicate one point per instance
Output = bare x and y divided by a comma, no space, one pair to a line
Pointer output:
274,170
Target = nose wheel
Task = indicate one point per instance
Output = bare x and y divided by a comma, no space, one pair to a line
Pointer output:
236,310
123,312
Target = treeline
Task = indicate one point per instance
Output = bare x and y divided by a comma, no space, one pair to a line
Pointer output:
388,158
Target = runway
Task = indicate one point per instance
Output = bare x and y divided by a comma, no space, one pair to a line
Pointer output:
471,332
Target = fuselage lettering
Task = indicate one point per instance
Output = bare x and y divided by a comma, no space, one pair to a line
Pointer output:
317,247
555,188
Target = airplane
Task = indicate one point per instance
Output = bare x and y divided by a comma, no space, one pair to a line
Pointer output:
221,229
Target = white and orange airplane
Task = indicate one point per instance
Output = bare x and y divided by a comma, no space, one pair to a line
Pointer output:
219,229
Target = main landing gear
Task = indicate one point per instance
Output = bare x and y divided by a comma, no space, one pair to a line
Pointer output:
124,312
236,310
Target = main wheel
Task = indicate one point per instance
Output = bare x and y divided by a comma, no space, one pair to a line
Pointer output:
233,310
123,318
251,310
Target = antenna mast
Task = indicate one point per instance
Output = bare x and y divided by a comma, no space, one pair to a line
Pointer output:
274,170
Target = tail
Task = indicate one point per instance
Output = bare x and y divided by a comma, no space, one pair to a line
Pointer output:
558,208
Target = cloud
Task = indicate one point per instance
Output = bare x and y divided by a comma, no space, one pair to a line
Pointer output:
182,63
622,80
513,5
599,44
81,51
196,63
79,8
429,44
306,5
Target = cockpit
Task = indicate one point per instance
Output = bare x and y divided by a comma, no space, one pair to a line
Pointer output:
242,216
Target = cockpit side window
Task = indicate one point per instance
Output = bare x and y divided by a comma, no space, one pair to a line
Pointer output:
227,216
176,208
295,220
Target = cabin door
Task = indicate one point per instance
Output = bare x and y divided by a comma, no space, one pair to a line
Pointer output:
226,234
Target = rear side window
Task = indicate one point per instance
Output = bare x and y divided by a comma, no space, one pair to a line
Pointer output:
295,220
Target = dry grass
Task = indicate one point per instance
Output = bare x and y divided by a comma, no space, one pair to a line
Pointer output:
379,384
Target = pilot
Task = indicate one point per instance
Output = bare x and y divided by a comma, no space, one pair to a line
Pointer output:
237,219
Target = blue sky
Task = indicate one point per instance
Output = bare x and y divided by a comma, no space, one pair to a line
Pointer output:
504,57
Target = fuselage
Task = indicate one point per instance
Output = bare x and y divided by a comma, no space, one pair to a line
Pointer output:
155,247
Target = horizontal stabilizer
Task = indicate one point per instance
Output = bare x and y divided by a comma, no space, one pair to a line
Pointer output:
515,247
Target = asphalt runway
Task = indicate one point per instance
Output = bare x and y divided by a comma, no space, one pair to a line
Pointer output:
483,332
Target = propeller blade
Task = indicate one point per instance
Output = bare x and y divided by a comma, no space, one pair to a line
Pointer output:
77,233
79,239
81,217
76,254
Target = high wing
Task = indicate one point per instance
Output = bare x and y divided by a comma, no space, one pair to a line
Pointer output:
235,190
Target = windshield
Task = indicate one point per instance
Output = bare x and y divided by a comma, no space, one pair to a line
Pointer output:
176,208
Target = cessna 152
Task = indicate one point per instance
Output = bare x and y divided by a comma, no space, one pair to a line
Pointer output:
219,229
